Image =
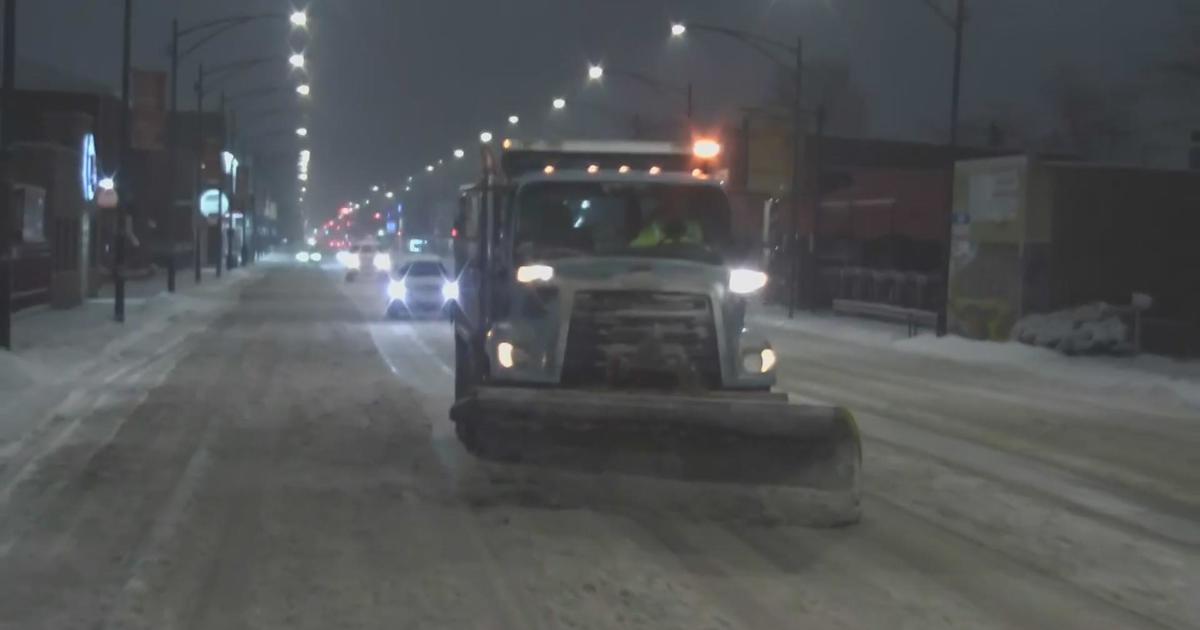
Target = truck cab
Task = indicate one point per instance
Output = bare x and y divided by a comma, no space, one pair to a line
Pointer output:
608,268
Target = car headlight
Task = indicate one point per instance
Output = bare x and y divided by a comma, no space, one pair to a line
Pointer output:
302,257
746,281
397,290
528,274
353,262
383,260
315,257
343,257
450,291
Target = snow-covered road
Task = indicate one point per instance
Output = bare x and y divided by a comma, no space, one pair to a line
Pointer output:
291,466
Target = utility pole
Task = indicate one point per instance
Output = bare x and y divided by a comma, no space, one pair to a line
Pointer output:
231,140
943,321
6,211
197,255
123,188
690,106
793,243
220,261
173,156
814,195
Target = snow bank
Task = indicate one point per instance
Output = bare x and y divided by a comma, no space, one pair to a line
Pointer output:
1089,329
1145,375
55,348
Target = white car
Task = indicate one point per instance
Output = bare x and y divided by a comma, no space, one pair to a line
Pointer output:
421,288
364,259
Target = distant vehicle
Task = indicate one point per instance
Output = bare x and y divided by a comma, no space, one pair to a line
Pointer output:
312,256
364,259
421,288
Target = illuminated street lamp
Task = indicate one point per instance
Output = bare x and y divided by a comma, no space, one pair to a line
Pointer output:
390,194
514,120
303,177
303,89
429,169
485,137
375,189
560,103
297,60
459,153
201,34
678,29
302,132
595,73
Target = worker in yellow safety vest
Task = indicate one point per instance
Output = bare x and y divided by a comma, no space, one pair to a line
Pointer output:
670,227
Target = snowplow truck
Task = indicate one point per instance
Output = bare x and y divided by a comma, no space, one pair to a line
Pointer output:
601,325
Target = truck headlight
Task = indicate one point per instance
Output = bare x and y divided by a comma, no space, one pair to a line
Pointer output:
504,354
746,281
450,291
315,257
759,362
383,260
529,274
302,257
397,290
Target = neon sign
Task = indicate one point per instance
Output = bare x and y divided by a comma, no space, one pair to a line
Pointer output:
89,170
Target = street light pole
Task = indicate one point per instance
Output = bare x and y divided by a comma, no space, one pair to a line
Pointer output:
690,101
125,187
219,262
207,31
769,48
231,140
797,178
197,256
6,210
943,321
172,156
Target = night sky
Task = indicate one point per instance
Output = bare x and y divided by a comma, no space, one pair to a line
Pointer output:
397,84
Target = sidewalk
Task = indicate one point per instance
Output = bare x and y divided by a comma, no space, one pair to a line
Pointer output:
1148,375
58,353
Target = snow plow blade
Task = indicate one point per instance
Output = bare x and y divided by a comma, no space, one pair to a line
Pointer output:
755,439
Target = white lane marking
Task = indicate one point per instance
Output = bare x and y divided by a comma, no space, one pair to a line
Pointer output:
446,369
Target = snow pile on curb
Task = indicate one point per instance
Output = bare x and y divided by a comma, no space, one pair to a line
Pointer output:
1089,329
56,349
1143,375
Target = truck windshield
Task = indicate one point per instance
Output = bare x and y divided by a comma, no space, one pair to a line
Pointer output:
671,220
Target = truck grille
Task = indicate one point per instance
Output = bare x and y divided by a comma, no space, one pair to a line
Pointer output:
642,339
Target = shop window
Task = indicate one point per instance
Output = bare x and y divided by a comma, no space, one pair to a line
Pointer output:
29,203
